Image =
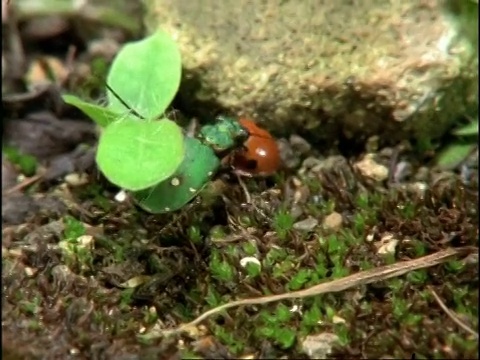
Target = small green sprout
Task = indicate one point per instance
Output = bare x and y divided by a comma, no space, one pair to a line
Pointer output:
135,150
456,152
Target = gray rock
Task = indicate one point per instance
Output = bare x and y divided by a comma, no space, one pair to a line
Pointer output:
307,224
319,346
323,68
290,159
300,144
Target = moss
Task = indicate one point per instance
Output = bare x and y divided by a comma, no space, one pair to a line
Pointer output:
192,261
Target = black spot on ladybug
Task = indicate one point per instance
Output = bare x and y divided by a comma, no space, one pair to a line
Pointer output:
251,164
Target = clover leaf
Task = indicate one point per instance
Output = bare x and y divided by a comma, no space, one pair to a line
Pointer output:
146,75
135,154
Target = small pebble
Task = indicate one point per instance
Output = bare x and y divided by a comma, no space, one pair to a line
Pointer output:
320,345
387,244
290,160
296,309
311,162
418,187
402,171
76,179
333,221
249,259
296,211
121,196
85,241
30,271
301,195
300,144
306,225
368,167
387,152
338,320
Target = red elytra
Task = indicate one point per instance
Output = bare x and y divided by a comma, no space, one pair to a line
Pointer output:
259,154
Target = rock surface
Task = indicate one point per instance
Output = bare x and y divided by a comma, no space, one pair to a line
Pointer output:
324,69
319,346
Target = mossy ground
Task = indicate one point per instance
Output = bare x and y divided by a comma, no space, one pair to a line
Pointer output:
67,295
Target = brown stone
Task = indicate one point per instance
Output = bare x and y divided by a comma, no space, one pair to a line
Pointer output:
323,69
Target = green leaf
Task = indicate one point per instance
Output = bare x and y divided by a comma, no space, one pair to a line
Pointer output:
198,165
135,154
146,75
470,129
102,116
453,155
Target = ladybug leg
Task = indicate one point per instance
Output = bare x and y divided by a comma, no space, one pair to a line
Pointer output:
241,173
248,197
192,128
228,165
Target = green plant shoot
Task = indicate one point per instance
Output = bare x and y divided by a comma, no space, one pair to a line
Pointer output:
134,153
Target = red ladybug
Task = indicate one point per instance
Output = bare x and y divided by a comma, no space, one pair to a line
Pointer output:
259,154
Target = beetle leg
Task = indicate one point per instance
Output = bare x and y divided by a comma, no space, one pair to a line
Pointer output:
248,197
192,128
241,173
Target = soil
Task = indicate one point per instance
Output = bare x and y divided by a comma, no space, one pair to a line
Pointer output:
86,276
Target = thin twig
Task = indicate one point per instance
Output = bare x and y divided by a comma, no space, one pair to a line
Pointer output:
452,315
27,182
347,282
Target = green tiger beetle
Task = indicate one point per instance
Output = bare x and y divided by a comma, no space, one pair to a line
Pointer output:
202,160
